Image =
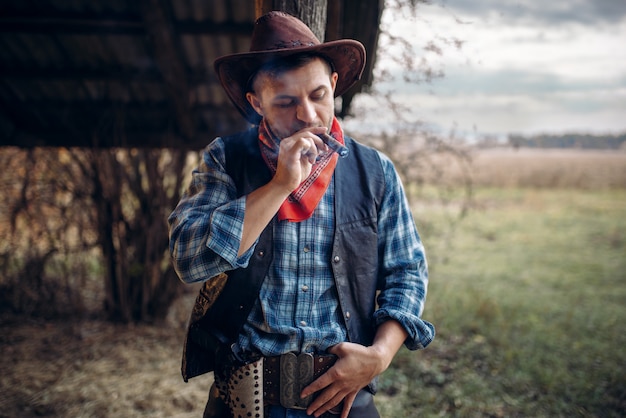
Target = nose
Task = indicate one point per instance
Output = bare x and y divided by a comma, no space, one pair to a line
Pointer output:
306,111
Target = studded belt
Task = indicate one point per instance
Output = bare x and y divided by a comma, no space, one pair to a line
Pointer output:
278,380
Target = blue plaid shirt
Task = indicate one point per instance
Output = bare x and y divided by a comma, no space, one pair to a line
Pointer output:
298,308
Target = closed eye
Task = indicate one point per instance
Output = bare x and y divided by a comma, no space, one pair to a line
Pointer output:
285,104
319,94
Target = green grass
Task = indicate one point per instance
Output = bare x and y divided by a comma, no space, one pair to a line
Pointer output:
528,294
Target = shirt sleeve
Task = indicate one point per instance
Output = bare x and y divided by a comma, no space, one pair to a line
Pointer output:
206,226
404,265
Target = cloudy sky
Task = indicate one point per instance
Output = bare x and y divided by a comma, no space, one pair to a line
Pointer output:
523,66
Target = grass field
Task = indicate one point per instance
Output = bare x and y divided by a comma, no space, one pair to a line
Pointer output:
528,293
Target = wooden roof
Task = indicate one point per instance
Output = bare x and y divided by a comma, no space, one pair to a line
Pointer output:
134,73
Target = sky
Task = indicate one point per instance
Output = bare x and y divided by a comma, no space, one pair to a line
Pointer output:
515,67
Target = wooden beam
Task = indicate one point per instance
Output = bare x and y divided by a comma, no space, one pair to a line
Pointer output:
118,26
206,27
136,139
49,25
101,74
98,106
170,63
148,125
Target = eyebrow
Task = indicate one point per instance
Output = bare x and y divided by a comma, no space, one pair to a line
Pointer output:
287,96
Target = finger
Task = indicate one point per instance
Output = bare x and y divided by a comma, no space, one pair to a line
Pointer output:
321,146
310,154
318,384
310,149
324,403
347,405
334,145
337,349
313,133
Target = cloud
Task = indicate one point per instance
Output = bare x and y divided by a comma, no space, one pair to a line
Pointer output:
557,12
524,66
461,81
505,101
501,113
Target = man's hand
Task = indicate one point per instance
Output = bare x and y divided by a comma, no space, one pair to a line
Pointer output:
296,157
355,368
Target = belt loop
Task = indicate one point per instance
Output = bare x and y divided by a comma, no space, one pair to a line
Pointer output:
234,348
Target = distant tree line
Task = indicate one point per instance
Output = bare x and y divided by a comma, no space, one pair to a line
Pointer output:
580,141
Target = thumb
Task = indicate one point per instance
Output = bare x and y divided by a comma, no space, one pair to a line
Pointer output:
337,349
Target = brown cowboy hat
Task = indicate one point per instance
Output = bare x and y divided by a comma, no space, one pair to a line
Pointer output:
279,34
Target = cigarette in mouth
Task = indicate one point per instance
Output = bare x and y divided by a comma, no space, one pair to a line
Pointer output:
335,145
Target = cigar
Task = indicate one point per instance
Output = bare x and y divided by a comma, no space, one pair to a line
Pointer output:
335,145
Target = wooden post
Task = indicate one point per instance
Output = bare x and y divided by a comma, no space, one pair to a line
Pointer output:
312,12
261,7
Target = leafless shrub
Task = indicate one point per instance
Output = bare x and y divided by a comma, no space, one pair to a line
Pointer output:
86,229
420,155
435,167
45,233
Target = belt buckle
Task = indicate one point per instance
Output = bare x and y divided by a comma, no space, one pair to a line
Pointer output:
296,372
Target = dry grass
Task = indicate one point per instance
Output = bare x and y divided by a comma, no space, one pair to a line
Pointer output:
91,368
549,168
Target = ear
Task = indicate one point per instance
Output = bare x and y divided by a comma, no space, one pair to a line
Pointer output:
333,80
254,102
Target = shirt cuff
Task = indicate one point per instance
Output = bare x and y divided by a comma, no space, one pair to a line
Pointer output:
420,332
225,233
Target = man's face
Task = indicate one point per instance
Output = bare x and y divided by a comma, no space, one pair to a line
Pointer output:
296,99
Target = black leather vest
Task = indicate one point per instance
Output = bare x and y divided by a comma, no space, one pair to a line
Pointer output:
359,187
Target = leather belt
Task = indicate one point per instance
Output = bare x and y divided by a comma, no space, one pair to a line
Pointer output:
285,376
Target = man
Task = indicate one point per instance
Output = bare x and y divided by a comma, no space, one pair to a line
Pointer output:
325,274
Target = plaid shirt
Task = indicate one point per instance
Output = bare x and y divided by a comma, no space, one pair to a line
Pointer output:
298,308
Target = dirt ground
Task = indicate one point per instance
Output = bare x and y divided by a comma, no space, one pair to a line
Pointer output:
91,368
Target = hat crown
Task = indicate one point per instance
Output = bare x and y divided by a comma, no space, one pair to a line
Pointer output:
278,34
278,30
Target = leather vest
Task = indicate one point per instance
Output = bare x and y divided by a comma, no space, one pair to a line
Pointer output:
359,188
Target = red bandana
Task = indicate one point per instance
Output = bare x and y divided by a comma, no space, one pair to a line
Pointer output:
301,203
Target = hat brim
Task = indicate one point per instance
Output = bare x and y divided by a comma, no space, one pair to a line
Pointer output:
234,71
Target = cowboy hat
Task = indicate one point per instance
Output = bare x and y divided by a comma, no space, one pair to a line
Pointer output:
278,34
